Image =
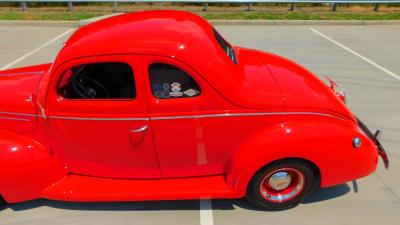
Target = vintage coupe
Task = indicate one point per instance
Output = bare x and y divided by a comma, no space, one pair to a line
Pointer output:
158,105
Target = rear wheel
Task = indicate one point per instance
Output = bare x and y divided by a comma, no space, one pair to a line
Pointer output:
3,203
281,185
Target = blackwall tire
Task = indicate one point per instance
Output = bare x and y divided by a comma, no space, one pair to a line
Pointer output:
281,185
3,203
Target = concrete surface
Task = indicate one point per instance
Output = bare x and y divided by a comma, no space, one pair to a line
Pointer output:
373,94
74,23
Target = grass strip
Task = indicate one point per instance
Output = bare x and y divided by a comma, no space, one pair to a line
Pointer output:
81,15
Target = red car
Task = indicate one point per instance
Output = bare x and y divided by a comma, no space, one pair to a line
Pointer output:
158,105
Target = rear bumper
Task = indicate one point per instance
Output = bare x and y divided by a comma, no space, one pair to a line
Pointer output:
375,139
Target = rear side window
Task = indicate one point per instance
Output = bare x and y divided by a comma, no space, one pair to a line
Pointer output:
168,81
225,46
108,80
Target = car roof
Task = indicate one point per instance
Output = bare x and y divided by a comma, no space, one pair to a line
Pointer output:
184,36
161,32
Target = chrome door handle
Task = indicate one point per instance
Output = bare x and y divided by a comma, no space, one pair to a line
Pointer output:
140,129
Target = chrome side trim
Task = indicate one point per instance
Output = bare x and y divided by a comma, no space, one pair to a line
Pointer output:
41,109
18,114
12,118
99,118
22,73
243,114
175,117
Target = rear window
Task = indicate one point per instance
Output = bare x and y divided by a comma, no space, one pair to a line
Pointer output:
168,81
225,46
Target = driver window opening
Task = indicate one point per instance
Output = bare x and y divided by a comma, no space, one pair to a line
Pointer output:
110,80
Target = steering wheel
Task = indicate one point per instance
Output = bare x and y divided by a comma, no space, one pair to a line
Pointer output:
87,87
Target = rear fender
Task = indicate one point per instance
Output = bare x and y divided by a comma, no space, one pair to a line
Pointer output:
324,142
26,167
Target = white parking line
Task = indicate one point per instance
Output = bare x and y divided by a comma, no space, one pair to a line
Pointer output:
206,214
357,54
36,50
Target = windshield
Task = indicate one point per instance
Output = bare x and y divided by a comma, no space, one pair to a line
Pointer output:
225,46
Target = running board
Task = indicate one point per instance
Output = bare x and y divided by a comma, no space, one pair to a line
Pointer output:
84,188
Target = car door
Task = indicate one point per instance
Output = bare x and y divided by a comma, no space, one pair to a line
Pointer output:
98,118
190,138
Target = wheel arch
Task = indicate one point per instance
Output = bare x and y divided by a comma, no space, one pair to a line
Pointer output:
27,167
310,163
328,153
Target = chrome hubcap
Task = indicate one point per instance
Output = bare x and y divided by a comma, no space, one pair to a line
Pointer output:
282,185
280,180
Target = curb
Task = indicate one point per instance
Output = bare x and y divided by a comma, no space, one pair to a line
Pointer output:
91,20
214,22
35,23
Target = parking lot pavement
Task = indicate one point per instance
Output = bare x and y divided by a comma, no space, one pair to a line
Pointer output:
17,42
372,94
361,59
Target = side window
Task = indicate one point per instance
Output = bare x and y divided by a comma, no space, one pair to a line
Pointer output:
168,81
230,52
108,80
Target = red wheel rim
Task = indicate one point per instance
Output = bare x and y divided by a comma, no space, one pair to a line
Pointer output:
282,185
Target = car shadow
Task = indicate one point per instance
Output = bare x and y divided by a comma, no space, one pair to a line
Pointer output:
321,194
109,206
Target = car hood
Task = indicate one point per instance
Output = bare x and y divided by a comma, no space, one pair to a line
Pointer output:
302,90
17,111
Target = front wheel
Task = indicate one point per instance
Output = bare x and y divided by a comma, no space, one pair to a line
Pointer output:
281,185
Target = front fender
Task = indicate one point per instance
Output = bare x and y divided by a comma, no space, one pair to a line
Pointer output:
26,167
324,142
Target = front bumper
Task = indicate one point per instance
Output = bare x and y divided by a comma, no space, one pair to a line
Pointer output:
375,138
